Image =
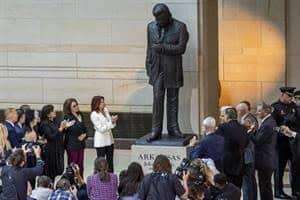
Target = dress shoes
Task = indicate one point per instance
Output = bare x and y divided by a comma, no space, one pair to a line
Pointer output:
282,195
154,136
176,133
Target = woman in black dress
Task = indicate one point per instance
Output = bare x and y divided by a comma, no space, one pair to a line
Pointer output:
54,148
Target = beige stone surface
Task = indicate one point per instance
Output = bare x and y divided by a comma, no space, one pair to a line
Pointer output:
109,73
37,9
125,32
57,90
293,43
3,59
273,33
42,59
271,91
252,49
28,90
111,60
3,72
132,92
234,92
76,31
24,31
42,72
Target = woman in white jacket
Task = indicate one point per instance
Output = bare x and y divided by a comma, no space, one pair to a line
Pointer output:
103,123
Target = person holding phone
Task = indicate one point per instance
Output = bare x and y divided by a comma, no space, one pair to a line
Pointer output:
103,123
76,134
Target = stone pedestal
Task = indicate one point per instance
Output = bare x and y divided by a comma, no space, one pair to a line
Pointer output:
174,148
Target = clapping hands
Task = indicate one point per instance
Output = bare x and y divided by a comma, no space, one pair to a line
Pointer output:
114,119
286,131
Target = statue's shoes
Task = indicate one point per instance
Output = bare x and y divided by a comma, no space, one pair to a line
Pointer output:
176,133
153,137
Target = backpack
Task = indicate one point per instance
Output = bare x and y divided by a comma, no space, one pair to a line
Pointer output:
9,190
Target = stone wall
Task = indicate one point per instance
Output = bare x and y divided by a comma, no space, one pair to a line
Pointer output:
54,49
251,50
293,43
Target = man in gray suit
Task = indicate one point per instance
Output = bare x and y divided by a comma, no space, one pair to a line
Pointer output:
167,40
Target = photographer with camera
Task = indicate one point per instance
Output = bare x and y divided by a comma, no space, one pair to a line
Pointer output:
15,176
72,174
44,188
197,166
161,183
64,191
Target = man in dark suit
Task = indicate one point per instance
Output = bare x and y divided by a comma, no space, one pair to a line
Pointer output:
11,118
284,113
247,119
265,150
235,142
212,146
167,40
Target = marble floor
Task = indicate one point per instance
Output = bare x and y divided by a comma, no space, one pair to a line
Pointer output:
122,159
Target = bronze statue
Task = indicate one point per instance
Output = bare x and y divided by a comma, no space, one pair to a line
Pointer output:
167,40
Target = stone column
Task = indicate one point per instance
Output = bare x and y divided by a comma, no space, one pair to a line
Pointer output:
208,62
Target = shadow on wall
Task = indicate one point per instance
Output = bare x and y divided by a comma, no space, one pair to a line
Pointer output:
261,68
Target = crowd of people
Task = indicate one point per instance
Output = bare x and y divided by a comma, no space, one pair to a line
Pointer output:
230,157
250,148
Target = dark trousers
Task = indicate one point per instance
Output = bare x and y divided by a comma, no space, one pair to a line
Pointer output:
108,153
77,157
284,155
249,183
296,180
158,106
265,185
237,180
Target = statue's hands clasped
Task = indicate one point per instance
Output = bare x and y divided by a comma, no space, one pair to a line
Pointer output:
159,48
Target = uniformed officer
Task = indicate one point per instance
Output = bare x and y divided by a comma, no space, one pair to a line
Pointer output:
285,114
295,146
297,101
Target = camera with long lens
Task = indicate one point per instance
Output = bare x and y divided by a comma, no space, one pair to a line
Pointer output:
195,171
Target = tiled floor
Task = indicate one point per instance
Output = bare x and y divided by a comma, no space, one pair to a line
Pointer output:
122,159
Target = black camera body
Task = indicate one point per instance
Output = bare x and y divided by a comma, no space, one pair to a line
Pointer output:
70,173
30,145
187,165
183,167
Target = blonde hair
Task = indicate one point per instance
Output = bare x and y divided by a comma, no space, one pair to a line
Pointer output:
8,112
4,143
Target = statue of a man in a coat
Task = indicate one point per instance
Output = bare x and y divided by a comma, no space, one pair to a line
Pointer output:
167,40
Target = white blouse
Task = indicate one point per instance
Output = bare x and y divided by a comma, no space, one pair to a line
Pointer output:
102,124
